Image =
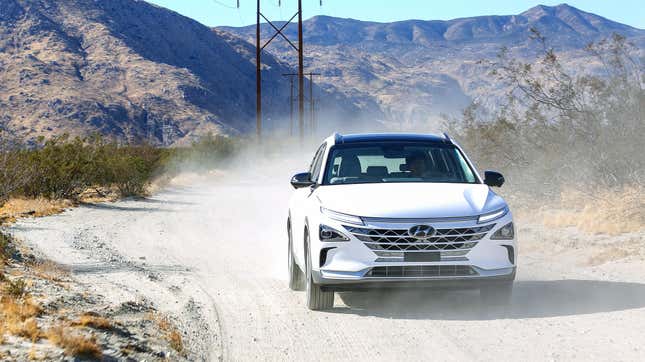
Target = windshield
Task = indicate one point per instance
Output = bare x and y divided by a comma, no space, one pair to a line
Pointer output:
397,162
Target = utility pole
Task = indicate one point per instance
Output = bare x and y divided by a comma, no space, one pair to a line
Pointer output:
258,78
301,79
312,102
310,98
291,101
258,61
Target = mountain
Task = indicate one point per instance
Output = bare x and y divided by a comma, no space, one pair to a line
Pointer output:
135,71
415,70
130,70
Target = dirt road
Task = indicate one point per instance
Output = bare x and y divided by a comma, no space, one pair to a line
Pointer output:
214,256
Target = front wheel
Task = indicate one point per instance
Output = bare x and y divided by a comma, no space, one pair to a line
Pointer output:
317,299
296,276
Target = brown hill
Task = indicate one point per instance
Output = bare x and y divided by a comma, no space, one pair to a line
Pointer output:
128,69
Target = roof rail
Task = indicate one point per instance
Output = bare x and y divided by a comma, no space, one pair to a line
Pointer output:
338,138
445,135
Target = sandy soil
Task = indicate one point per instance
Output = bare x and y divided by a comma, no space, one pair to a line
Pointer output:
213,255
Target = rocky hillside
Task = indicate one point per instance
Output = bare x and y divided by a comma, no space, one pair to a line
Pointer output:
131,70
135,71
415,70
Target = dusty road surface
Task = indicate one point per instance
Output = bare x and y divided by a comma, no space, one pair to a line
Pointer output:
213,255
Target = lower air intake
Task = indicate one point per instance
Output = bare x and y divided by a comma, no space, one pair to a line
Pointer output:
421,271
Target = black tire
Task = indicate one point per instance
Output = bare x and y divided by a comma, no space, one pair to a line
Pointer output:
296,276
317,299
497,294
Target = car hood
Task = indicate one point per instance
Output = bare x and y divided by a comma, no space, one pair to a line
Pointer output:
410,200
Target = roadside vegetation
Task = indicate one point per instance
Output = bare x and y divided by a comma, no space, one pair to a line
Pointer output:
42,317
574,141
64,168
47,177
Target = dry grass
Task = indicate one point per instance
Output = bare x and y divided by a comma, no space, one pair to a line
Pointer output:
175,341
12,309
49,270
93,321
2,332
171,333
28,329
99,194
632,249
610,212
608,255
17,316
73,343
21,207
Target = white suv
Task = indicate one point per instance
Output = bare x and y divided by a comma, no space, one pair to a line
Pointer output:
396,210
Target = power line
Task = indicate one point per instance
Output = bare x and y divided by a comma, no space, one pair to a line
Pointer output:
291,100
258,65
226,5
310,98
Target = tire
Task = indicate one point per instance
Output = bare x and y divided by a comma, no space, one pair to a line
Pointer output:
497,294
296,276
317,299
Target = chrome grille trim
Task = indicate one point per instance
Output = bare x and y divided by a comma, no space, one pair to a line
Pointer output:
418,220
453,239
421,271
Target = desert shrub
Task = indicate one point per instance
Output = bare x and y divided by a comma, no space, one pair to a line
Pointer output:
5,246
63,168
16,288
560,129
13,173
207,153
130,169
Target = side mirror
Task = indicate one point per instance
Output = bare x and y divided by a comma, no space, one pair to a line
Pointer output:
493,179
300,180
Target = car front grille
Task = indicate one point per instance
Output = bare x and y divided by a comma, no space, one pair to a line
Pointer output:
421,271
452,239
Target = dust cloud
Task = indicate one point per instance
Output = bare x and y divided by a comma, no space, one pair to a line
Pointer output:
256,183
214,244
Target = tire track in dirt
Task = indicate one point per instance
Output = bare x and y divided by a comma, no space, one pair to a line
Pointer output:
224,246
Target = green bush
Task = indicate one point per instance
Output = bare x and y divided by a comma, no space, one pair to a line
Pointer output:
16,288
207,153
5,245
64,168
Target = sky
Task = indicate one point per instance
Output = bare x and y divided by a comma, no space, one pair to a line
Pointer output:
225,12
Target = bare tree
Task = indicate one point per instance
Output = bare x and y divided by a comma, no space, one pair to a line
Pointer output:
563,125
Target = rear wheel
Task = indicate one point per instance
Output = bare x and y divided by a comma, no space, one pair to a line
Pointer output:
296,276
317,299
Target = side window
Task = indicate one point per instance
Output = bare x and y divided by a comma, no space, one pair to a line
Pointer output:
316,164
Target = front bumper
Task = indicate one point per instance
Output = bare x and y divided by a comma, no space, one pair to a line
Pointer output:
355,264
490,278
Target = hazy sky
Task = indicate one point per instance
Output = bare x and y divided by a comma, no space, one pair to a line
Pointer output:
225,12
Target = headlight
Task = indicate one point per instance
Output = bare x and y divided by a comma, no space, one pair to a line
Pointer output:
492,215
506,232
339,216
327,233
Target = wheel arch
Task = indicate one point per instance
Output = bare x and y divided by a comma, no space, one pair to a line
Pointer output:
305,246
